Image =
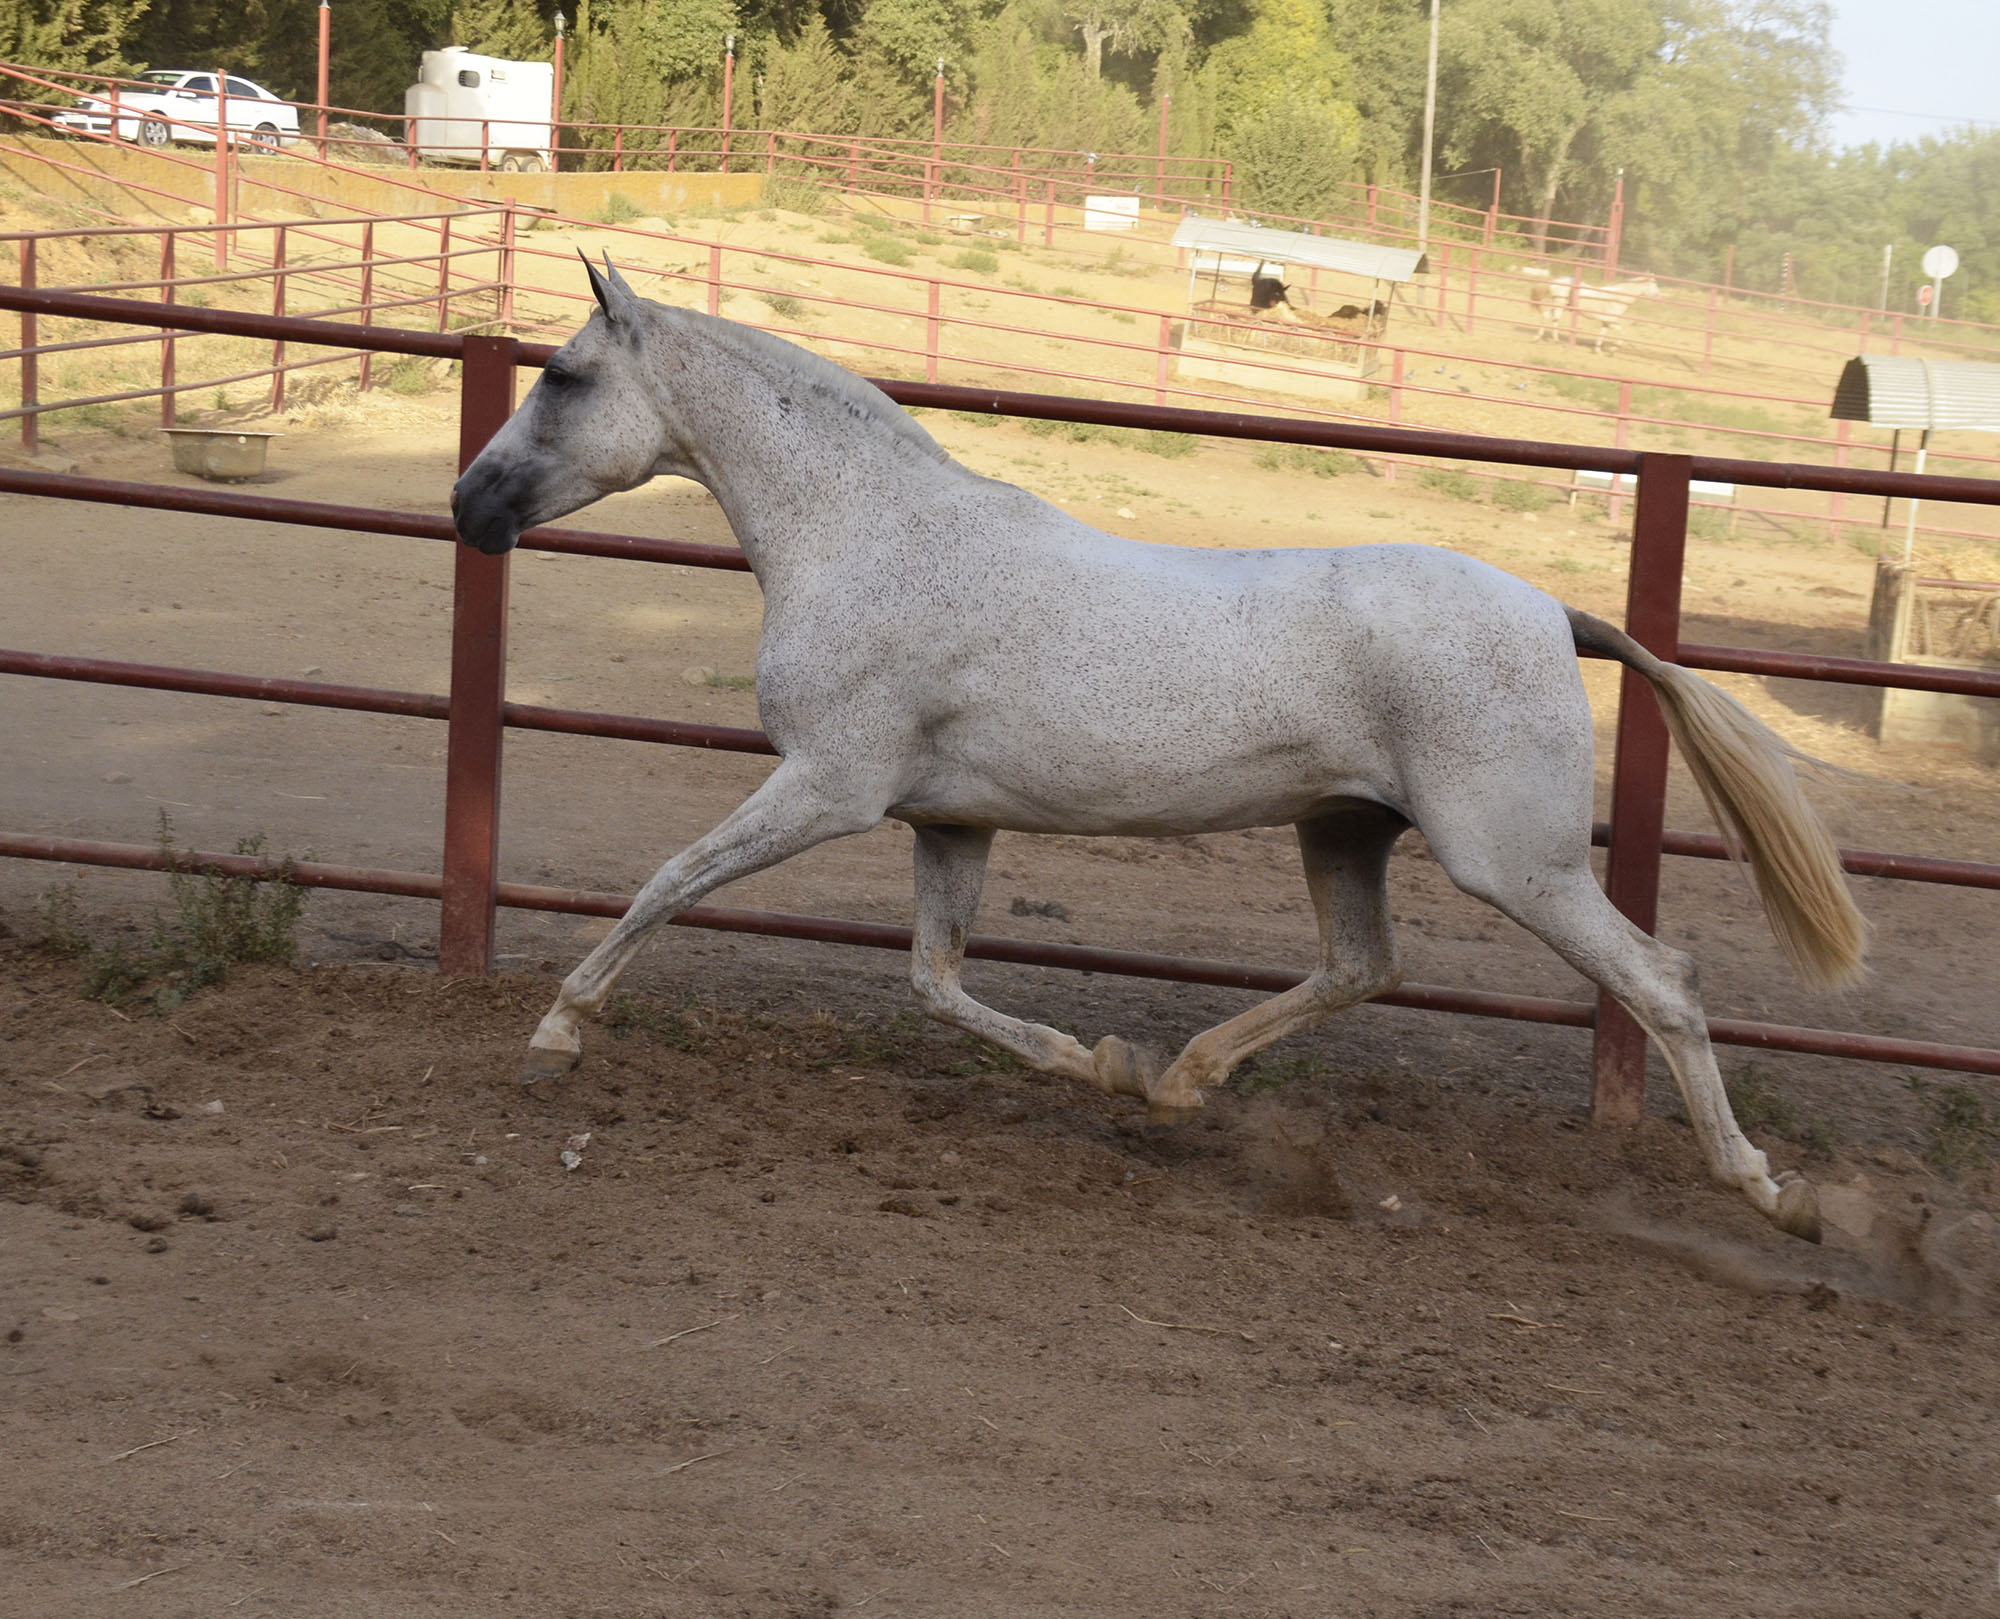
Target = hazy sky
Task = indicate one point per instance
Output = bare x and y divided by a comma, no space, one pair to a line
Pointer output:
1938,60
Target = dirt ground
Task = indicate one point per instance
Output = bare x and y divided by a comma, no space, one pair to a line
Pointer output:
838,1315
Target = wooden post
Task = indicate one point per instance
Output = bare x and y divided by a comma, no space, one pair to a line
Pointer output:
1843,437
1639,777
31,362
278,308
221,180
1621,434
367,299
478,689
505,308
1395,405
167,296
444,272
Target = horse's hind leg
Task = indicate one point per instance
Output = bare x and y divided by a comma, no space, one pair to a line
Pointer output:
951,870
794,809
1658,985
1346,859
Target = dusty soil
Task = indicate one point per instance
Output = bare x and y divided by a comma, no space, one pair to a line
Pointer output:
911,1380
305,1316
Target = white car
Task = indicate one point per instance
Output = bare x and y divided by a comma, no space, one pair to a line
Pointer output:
180,106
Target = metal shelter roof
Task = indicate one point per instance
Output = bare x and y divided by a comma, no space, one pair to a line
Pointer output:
1394,264
1902,391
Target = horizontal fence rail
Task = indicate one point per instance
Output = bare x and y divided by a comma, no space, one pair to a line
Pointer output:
1634,834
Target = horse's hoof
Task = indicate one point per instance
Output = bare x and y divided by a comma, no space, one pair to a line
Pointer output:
1119,1068
545,1064
1797,1213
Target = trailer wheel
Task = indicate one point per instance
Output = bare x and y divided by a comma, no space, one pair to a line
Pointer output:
509,164
523,163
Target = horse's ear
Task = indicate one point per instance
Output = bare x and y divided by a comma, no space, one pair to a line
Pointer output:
600,288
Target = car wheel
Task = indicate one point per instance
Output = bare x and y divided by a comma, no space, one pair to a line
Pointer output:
153,131
263,139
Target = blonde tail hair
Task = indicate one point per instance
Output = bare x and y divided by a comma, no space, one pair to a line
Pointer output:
1744,770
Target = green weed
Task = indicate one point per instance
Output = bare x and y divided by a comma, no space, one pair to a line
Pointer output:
1171,445
1267,1073
886,250
1523,497
786,307
1963,1133
406,375
723,682
929,238
212,922
794,195
1304,458
1756,1105
1454,483
618,209
977,260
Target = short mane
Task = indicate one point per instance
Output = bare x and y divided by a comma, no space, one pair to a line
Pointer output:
861,398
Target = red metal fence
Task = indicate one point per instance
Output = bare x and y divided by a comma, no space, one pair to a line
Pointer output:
477,712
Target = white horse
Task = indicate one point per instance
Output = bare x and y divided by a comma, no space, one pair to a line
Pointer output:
952,651
1605,305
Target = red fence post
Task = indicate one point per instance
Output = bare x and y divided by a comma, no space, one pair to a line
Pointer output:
1049,217
31,373
1471,291
278,308
1708,335
715,279
478,689
1639,776
167,348
1843,436
931,333
1160,367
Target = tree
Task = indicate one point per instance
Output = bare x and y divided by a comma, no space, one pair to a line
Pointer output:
1524,80
512,30
69,34
1125,26
805,84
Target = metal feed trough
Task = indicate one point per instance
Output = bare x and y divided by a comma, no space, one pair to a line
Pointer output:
219,454
1939,623
1251,325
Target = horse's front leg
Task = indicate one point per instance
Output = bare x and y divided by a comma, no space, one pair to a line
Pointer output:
798,807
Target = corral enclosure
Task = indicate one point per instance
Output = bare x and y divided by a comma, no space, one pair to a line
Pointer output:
837,1314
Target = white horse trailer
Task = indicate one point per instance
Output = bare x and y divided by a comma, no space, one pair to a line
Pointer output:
466,108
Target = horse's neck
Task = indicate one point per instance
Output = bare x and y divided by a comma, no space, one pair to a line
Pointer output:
801,480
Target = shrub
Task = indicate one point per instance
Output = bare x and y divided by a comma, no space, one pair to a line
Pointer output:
618,209
978,261
786,307
887,250
1172,445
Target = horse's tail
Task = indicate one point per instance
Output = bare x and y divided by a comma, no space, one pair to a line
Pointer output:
1745,772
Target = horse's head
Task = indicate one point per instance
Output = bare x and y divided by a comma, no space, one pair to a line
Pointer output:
591,426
